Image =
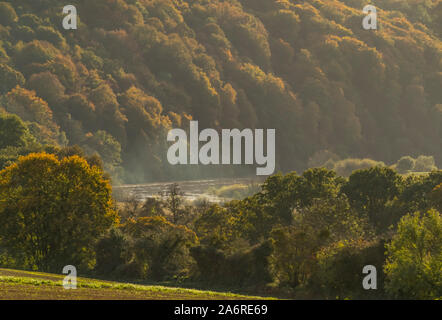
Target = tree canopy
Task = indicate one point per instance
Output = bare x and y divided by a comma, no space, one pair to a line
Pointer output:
134,69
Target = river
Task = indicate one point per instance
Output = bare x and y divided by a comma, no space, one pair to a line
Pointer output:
193,190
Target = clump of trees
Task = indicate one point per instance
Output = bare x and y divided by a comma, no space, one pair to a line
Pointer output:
345,167
303,236
146,248
422,163
310,235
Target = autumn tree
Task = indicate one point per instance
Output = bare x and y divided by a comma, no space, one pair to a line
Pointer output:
35,110
53,210
48,87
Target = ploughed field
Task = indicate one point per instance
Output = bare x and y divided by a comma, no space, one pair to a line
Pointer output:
17,285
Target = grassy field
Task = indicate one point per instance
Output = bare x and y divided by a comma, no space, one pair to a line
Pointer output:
16,285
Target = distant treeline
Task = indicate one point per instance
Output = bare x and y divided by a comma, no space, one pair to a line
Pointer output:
135,69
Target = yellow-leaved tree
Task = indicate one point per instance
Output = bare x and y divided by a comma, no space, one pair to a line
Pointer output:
52,211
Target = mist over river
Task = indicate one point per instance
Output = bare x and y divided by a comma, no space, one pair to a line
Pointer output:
193,190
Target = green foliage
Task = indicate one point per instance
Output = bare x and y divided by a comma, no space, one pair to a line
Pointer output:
112,253
436,197
160,248
107,147
13,132
246,268
325,222
36,113
371,190
417,192
306,68
91,60
10,155
216,227
414,257
50,35
339,270
247,244
332,220
9,78
292,261
317,183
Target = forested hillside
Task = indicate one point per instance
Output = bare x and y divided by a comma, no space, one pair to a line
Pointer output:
135,69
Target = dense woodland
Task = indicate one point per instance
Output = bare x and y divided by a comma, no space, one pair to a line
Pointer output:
299,236
134,69
358,112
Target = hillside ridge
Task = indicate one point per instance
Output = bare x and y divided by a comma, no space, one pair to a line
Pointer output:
135,69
